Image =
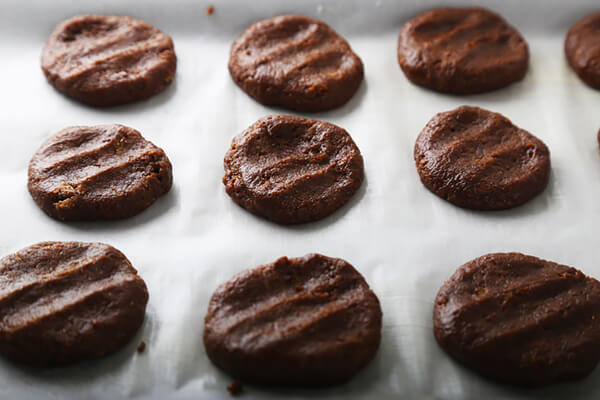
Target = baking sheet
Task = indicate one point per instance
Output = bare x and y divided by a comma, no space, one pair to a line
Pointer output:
403,239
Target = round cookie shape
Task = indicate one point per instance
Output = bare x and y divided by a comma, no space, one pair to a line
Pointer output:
462,51
107,61
295,62
66,302
521,320
292,170
98,172
308,321
478,159
582,47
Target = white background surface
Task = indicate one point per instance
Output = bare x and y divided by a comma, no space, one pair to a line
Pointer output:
403,239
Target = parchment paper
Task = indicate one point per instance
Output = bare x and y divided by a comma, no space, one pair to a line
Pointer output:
405,240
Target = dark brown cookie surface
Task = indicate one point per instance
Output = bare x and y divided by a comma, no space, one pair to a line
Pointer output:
292,170
295,62
478,159
309,321
98,172
64,302
520,320
582,47
462,51
106,61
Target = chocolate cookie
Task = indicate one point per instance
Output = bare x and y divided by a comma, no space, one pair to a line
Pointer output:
292,170
65,302
98,172
582,48
106,61
478,159
309,321
462,51
521,320
295,62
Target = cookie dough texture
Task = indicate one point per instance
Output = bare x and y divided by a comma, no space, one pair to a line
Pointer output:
478,159
98,172
582,47
308,321
108,60
295,62
519,319
462,51
65,302
292,170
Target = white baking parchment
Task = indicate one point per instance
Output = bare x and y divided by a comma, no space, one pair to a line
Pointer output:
402,238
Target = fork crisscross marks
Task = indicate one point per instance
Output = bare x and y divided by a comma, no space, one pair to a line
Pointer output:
107,61
520,319
474,37
292,170
461,51
310,320
310,52
98,172
298,301
478,159
105,40
66,302
582,48
296,62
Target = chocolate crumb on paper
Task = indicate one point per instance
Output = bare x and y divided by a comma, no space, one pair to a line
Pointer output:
235,388
210,10
141,347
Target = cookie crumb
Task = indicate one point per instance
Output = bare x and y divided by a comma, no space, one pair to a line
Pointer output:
210,10
235,388
141,347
